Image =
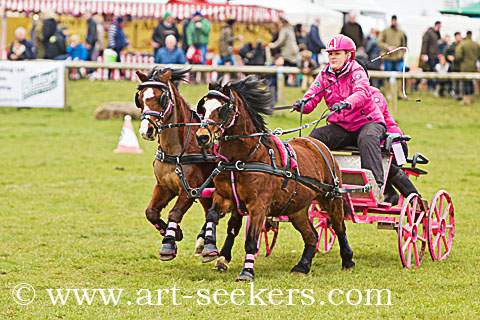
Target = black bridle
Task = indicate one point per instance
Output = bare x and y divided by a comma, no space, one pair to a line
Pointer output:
165,101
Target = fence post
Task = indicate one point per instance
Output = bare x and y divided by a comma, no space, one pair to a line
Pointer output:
280,86
394,94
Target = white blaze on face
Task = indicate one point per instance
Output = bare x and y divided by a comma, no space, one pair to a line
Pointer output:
144,124
210,105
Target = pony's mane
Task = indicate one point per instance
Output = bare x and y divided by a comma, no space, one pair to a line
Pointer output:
177,74
257,97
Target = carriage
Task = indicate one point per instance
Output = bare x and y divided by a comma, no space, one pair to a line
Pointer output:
417,225
233,115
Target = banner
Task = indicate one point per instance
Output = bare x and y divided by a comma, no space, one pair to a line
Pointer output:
37,84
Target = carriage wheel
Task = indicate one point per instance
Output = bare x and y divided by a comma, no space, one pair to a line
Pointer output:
326,234
412,231
441,226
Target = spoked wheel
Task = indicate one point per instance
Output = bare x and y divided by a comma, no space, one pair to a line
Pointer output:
412,231
326,234
441,226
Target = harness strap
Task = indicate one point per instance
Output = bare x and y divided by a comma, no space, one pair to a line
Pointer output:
185,159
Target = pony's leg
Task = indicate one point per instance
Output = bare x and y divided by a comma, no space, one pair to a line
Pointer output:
210,251
335,211
233,228
303,225
257,217
174,233
160,198
206,204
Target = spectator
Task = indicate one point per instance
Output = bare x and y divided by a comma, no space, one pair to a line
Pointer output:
278,60
286,43
253,56
56,47
21,48
76,49
117,41
314,43
444,43
49,27
36,35
455,66
164,28
226,43
198,33
467,53
353,30
391,38
92,35
372,50
300,34
170,54
442,68
430,46
100,44
185,24
307,65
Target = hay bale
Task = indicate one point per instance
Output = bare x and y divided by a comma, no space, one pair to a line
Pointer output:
117,110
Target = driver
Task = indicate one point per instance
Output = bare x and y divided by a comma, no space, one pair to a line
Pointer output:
357,120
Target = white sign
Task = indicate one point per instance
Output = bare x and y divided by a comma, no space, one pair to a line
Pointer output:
38,84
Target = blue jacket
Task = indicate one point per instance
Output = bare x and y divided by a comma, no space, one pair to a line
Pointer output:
314,43
176,56
79,52
116,38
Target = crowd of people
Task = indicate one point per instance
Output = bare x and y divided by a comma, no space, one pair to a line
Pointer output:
297,45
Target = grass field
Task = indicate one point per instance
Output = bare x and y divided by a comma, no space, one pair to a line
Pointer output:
69,219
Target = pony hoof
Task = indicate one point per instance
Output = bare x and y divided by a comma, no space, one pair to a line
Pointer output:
168,252
221,264
209,253
199,246
300,269
245,276
348,265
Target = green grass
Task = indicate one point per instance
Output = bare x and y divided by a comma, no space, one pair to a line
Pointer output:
68,219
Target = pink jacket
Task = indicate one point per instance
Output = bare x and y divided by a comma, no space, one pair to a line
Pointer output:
381,102
354,88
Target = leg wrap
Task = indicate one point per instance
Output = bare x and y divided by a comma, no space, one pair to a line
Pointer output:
161,226
308,254
227,247
345,251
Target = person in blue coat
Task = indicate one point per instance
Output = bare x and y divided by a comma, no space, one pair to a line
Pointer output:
170,54
314,43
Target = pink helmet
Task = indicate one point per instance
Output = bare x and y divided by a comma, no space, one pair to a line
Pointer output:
341,42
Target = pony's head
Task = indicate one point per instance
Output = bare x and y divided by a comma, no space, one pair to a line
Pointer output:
155,98
220,107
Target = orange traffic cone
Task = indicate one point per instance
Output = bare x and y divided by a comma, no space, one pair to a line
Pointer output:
128,140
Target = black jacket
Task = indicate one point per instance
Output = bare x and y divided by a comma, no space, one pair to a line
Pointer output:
161,32
56,45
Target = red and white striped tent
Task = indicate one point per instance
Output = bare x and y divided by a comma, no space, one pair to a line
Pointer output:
149,8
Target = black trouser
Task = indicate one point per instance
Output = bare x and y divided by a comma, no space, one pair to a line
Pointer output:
367,139
468,87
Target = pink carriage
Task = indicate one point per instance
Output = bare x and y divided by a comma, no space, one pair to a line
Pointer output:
417,226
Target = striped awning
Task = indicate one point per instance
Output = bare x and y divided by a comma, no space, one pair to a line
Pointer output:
148,9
